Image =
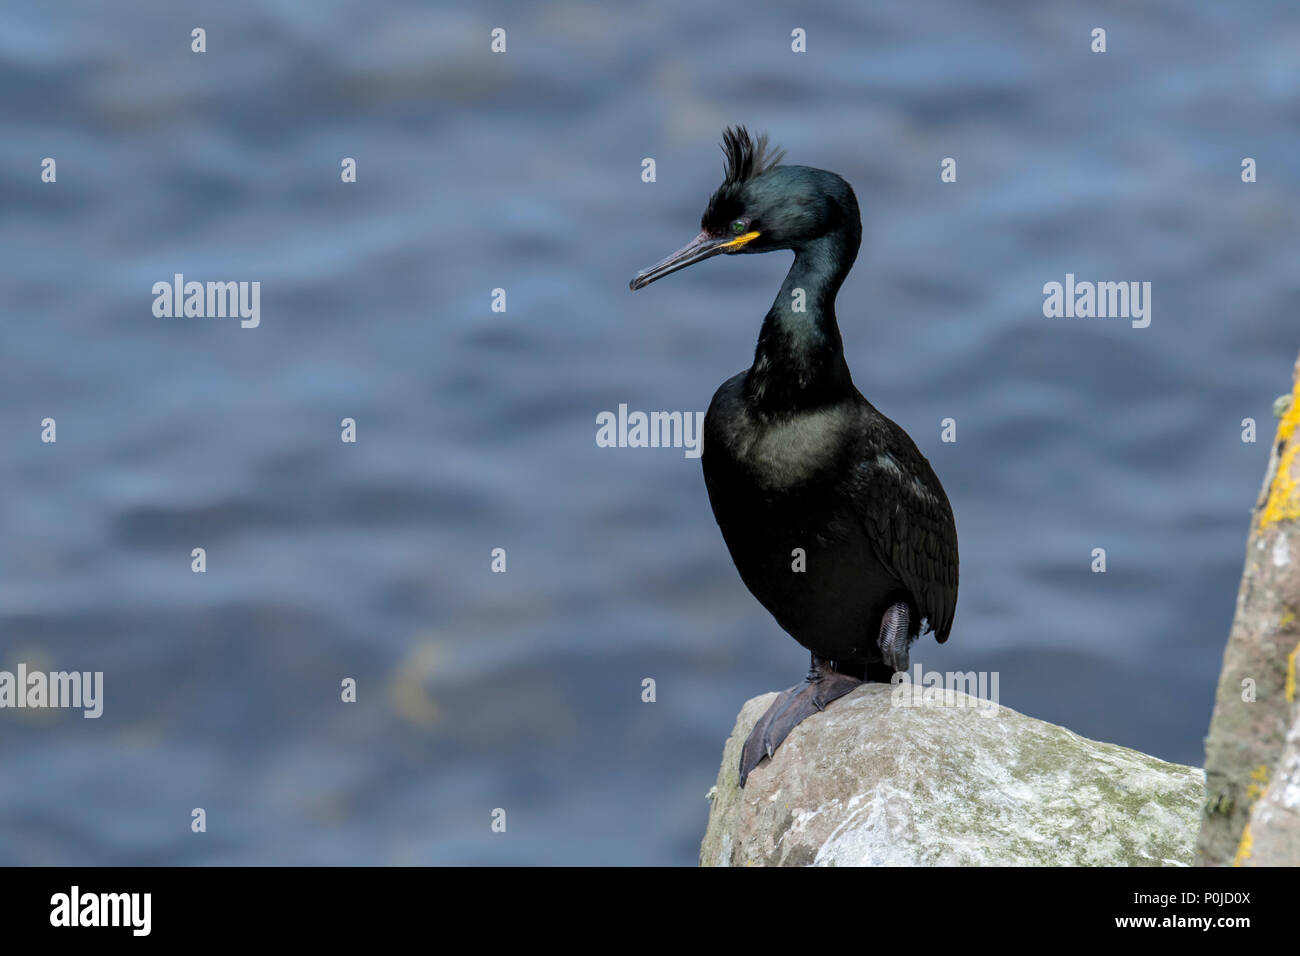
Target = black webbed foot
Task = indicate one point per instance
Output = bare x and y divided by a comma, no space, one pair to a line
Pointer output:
819,688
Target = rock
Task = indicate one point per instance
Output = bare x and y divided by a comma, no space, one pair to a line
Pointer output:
953,783
1272,838
1254,707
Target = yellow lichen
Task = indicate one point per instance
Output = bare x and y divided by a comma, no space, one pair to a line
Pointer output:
1290,673
1253,792
1243,848
1284,496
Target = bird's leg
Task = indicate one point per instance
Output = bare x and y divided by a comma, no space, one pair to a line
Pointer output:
894,639
822,685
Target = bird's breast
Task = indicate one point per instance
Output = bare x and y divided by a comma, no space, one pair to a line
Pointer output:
784,453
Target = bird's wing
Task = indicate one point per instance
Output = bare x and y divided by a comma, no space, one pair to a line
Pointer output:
908,520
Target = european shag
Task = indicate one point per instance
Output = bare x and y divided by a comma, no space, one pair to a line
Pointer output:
834,518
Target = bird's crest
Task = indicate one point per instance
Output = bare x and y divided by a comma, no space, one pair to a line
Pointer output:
746,157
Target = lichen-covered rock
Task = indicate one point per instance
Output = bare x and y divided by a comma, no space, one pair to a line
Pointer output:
1255,703
1272,838
953,782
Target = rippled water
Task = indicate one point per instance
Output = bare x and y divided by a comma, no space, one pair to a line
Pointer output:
476,428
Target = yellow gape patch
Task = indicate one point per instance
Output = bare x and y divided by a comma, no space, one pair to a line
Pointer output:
740,240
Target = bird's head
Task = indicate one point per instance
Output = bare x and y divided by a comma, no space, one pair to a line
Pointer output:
762,206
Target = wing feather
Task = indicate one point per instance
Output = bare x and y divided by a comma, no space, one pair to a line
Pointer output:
908,520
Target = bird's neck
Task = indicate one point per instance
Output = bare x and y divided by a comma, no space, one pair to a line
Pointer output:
799,362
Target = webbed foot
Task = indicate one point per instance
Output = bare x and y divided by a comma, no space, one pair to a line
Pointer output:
819,688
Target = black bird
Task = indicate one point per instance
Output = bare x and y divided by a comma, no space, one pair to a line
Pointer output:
836,522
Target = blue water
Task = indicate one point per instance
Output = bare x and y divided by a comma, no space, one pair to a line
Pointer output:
476,429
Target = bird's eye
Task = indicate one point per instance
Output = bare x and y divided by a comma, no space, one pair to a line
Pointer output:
738,227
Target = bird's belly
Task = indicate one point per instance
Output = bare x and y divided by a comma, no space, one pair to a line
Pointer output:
787,513
814,570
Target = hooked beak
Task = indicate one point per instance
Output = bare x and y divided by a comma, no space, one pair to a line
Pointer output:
698,249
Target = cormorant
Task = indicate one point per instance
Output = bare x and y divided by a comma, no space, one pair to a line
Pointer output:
834,518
